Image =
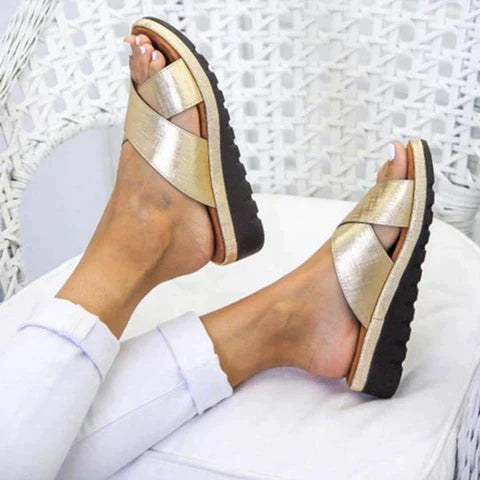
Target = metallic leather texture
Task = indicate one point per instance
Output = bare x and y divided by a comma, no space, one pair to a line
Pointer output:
387,203
399,266
213,125
179,156
172,90
362,266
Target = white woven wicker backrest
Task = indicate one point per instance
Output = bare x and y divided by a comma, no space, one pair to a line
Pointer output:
316,90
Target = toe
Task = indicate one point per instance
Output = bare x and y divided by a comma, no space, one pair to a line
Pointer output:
140,60
397,168
157,62
145,61
130,40
142,40
381,176
394,169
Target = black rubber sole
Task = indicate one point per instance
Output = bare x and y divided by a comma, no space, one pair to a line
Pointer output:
386,367
248,228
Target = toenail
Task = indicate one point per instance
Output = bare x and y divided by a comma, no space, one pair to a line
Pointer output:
391,151
143,49
137,40
154,56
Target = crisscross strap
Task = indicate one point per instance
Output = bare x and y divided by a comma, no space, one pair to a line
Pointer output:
179,156
387,203
361,262
171,90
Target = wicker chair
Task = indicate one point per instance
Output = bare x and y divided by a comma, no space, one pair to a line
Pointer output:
316,90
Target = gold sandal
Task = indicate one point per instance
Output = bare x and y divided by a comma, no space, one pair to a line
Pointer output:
207,168
381,289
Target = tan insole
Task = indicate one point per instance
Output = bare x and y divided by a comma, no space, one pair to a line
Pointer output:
171,55
396,252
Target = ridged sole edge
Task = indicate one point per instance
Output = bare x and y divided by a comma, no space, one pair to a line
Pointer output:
248,228
386,368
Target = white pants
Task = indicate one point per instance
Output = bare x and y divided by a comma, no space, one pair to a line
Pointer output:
77,404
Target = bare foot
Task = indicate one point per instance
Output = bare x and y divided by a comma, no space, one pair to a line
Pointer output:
302,320
139,184
150,231
323,325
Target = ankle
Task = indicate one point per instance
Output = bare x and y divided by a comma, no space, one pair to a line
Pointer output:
311,335
283,324
135,233
117,269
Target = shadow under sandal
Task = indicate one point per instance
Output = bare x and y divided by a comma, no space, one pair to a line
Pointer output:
207,168
381,289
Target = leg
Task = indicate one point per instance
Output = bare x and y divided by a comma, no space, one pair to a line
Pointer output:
142,239
159,381
149,233
302,320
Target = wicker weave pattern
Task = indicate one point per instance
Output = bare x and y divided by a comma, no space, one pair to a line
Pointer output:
468,441
316,89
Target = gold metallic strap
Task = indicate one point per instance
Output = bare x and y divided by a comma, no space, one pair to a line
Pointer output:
362,267
172,90
179,156
387,203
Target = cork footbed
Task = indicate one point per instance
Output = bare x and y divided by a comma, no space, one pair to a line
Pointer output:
171,55
396,252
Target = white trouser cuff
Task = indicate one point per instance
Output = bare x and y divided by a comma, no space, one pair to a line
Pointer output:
193,350
80,327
